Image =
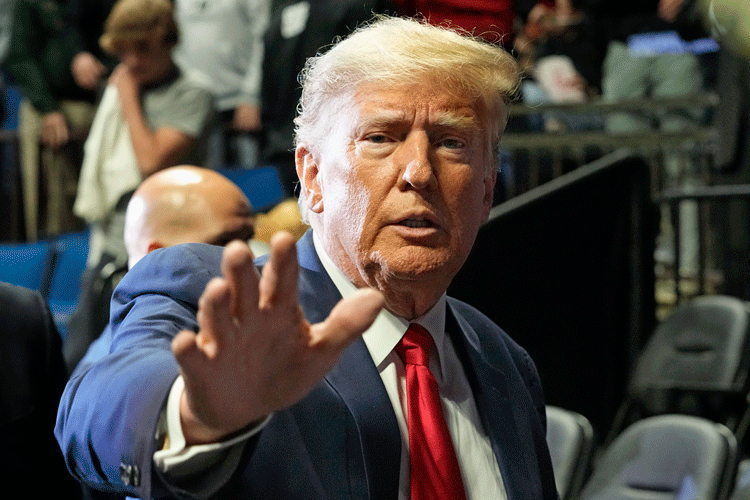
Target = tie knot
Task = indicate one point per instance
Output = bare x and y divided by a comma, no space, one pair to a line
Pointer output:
414,347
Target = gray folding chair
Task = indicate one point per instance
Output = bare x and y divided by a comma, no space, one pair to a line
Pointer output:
742,482
696,362
570,438
666,457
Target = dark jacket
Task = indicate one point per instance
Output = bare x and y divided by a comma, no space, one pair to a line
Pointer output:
285,57
32,378
620,19
41,51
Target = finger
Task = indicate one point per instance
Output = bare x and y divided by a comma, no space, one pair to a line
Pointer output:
53,137
350,318
215,322
186,351
87,82
239,270
278,282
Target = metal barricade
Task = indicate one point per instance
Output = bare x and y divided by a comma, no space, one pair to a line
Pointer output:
533,156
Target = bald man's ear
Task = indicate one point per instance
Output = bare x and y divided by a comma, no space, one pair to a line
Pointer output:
307,171
154,245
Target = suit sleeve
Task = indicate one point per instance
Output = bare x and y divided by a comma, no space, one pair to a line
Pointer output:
108,415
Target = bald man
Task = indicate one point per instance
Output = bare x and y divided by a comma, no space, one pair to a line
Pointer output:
183,204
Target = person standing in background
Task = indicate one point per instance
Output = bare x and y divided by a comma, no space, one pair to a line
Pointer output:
152,115
54,115
225,45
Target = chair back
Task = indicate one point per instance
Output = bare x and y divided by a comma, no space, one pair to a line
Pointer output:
26,264
570,438
71,253
742,482
696,362
702,345
666,457
262,185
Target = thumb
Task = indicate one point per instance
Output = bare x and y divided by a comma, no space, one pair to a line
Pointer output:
352,316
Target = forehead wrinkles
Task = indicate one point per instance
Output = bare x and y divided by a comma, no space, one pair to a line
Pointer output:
437,112
462,118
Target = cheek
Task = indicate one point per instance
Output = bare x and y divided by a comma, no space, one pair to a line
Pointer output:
469,202
346,203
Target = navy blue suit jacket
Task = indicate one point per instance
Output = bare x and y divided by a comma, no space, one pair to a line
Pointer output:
340,442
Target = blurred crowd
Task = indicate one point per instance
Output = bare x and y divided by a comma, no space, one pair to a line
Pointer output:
115,94
115,91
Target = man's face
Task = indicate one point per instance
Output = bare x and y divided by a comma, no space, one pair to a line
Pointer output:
148,59
401,185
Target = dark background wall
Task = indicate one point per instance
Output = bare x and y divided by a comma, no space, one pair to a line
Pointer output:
567,270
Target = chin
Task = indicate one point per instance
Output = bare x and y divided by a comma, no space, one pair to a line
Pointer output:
415,264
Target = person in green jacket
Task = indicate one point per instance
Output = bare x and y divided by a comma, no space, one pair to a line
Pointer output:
54,116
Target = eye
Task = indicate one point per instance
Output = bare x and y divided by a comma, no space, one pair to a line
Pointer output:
452,143
377,138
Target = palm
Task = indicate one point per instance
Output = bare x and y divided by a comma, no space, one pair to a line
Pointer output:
254,352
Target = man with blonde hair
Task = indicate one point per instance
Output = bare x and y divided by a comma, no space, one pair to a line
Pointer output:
341,369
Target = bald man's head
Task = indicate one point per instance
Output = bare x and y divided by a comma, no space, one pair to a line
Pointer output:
185,204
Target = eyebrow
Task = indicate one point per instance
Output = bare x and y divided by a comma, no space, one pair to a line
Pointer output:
443,119
459,121
381,118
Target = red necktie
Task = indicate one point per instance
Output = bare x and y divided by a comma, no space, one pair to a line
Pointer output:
434,467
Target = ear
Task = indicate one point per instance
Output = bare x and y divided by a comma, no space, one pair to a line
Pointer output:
489,192
154,245
307,171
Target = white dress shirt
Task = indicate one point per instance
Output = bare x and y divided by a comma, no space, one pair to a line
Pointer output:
479,468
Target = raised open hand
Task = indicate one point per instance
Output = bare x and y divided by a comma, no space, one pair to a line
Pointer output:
254,352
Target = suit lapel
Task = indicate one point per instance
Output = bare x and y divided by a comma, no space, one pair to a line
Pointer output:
375,440
503,420
356,379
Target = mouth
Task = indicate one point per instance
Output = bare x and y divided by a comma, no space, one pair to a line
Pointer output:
416,223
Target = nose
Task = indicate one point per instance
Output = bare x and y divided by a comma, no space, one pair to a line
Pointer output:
415,156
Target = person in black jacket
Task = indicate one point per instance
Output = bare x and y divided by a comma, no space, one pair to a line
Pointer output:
298,30
32,379
54,115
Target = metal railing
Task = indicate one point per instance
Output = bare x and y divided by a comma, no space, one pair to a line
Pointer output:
535,156
554,148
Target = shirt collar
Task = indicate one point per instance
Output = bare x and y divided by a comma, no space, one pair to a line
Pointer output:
388,328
